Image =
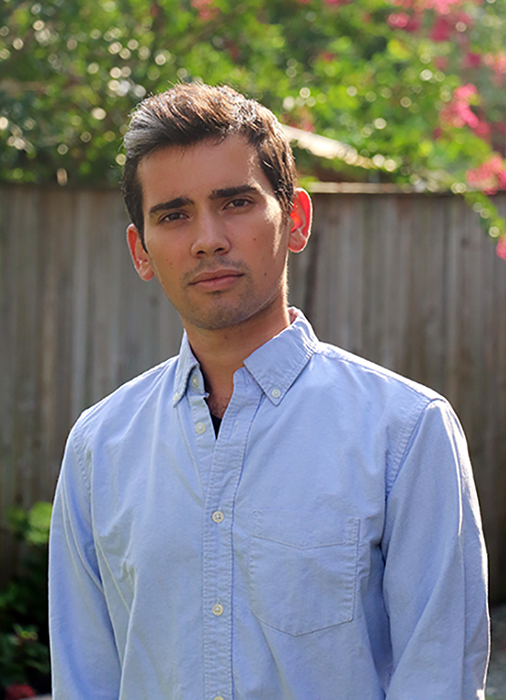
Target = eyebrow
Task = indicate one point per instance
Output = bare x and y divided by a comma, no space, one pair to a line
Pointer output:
221,193
175,203
225,192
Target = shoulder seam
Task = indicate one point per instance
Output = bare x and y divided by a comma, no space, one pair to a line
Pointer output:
406,438
423,392
88,413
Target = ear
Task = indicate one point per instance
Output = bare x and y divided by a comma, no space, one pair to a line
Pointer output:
140,257
301,216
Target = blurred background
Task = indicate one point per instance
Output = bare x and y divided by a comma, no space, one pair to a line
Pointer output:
397,115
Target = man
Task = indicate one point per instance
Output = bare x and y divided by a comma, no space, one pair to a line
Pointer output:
264,516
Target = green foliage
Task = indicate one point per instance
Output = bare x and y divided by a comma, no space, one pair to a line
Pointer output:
378,75
24,653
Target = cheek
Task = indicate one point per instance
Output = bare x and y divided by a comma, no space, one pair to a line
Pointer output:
162,256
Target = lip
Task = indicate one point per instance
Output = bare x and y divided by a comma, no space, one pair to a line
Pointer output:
216,279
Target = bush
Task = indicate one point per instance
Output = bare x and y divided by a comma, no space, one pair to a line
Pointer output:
24,639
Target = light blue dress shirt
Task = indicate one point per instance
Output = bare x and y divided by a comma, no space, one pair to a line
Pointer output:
326,546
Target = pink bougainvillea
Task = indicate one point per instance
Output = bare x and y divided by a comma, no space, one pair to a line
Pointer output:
490,176
483,130
398,20
206,8
458,112
497,62
445,25
501,248
401,20
472,60
446,22
441,7
441,30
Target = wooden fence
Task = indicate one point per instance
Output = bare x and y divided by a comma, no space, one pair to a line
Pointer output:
406,280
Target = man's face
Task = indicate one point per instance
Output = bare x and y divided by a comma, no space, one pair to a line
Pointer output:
215,234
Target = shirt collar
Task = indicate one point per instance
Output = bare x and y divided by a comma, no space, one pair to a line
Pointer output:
185,365
275,365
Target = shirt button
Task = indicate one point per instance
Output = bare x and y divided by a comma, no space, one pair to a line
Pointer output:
195,382
200,428
219,697
275,393
217,609
176,395
218,516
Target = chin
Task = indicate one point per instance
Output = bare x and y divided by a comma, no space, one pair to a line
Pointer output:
222,316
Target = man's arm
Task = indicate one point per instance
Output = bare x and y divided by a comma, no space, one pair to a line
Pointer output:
435,581
84,657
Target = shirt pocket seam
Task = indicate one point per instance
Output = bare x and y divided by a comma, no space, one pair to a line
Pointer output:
349,546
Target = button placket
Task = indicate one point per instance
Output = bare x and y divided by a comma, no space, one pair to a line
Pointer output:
200,427
218,552
202,443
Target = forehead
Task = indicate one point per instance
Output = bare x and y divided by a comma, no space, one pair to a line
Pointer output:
196,171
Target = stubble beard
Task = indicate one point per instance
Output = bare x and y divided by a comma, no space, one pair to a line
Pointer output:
221,313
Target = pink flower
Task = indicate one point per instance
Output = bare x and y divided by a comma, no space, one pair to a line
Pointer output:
458,112
442,7
398,20
472,60
497,62
500,63
401,20
489,176
441,30
482,129
206,9
501,247
17,691
464,92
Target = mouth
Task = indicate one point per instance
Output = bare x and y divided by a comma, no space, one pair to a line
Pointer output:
216,280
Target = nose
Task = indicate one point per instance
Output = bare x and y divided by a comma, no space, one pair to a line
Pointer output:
210,236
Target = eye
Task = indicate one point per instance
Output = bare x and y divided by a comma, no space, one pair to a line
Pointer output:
238,203
172,216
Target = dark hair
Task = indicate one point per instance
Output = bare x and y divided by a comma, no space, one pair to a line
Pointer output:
190,113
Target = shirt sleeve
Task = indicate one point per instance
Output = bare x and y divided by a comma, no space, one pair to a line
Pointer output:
435,578
84,657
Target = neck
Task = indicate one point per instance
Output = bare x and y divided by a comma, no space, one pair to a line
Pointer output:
222,352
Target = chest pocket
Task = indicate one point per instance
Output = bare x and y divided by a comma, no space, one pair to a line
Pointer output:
302,569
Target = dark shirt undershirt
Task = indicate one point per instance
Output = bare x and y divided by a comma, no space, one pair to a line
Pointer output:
216,423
